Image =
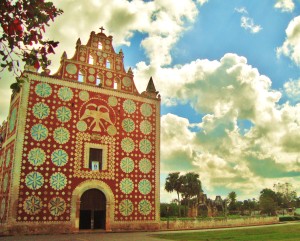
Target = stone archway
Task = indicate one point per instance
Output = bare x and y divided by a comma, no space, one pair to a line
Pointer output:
76,200
92,210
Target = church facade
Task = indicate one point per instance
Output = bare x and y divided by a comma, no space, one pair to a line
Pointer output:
81,148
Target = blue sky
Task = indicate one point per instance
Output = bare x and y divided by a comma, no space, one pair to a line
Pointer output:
229,76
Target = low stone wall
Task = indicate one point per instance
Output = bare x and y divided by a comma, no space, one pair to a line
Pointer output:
67,227
216,223
132,226
41,228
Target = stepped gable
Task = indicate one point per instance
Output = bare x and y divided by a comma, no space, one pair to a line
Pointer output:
97,63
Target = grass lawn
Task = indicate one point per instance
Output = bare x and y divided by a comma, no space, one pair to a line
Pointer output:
267,233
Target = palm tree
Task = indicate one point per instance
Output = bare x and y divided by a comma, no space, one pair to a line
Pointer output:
191,186
174,183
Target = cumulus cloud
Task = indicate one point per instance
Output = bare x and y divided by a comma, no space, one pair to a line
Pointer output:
162,22
292,89
291,45
219,87
285,5
225,92
248,24
176,154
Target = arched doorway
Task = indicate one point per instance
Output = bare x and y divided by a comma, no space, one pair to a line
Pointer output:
92,210
203,211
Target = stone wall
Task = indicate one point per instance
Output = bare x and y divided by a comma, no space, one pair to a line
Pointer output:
216,223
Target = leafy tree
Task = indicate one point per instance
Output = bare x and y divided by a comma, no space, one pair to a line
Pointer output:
191,187
246,204
267,205
232,196
188,185
174,183
250,205
268,201
286,195
22,27
232,207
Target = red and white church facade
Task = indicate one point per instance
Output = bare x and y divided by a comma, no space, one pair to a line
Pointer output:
81,148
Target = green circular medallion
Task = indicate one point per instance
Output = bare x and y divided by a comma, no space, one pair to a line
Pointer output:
40,110
144,207
39,132
34,180
126,185
32,205
127,165
126,207
36,156
57,206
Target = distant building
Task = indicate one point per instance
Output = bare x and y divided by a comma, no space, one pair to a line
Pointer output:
203,206
81,148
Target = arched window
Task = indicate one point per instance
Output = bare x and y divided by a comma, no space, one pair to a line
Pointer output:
108,64
98,81
99,45
115,85
81,76
91,59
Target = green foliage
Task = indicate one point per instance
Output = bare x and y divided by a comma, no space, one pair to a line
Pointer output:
289,218
191,185
232,196
173,210
268,201
188,185
232,206
22,26
286,195
16,87
283,196
174,182
191,188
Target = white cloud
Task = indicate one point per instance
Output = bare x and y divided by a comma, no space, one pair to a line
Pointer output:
202,1
223,91
241,10
219,87
178,154
226,92
248,24
291,45
162,21
285,5
292,89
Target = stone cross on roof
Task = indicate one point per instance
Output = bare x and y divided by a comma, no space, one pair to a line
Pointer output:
102,29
